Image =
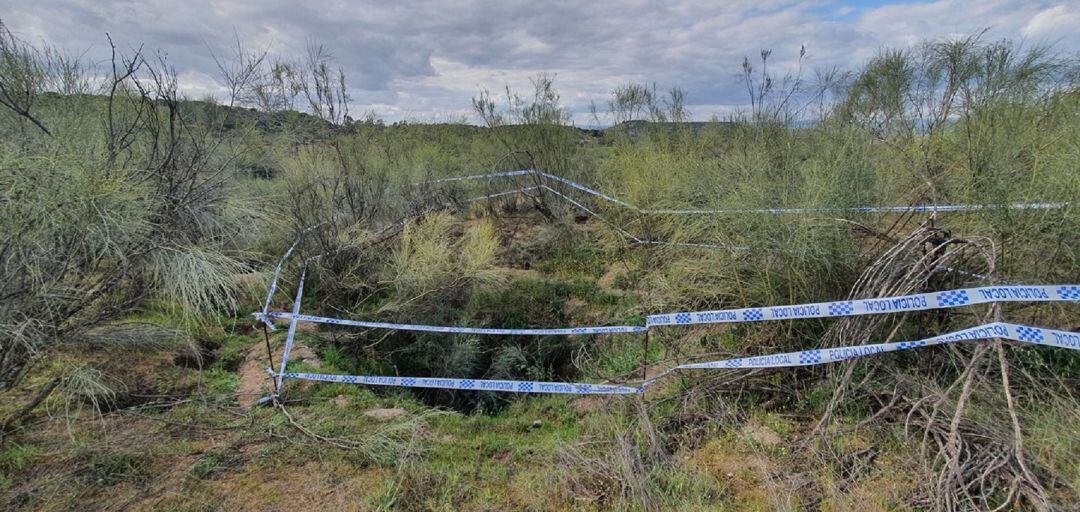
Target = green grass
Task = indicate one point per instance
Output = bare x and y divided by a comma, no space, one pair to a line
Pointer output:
16,457
221,382
194,264
109,469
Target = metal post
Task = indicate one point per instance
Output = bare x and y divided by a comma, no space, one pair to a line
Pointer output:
269,353
645,359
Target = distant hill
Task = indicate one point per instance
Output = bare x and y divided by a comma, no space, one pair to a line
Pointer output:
310,127
635,129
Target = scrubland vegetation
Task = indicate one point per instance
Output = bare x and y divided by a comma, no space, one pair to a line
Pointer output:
138,231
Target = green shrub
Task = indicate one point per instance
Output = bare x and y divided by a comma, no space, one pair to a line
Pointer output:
111,468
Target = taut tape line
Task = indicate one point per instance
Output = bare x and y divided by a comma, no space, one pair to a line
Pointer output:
291,335
813,357
567,331
502,174
1022,333
631,236
504,386
730,211
508,192
906,303
917,302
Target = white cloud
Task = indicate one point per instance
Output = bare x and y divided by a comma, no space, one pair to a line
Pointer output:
425,59
1053,23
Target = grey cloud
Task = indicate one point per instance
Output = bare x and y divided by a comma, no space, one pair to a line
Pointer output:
425,59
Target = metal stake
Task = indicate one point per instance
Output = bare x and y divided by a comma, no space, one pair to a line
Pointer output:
269,353
645,359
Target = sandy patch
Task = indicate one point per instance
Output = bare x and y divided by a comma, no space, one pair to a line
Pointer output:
255,382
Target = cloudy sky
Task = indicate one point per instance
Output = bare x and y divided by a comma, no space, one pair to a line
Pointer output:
423,61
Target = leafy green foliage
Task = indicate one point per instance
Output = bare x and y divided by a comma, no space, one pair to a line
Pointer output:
109,219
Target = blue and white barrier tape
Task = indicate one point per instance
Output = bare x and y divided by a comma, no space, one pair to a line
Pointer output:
733,211
261,316
813,357
1021,333
917,302
637,240
585,189
631,236
501,174
277,275
584,208
505,386
568,331
508,192
292,327
865,209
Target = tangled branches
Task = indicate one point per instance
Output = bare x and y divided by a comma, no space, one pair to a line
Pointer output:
972,444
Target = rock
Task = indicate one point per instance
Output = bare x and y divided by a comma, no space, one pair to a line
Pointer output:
537,424
384,414
303,353
762,434
341,400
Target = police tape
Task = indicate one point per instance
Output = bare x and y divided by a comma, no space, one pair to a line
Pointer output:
273,286
263,315
917,302
586,209
291,335
634,238
505,386
277,273
906,303
641,241
566,331
865,209
585,189
944,299
502,174
942,208
508,192
812,357
1002,330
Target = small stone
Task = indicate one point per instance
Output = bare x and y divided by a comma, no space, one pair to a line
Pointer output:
341,401
384,414
762,434
537,424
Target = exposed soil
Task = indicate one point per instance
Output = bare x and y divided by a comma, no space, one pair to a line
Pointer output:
384,414
255,382
607,281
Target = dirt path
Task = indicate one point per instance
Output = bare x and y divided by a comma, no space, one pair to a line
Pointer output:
255,382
